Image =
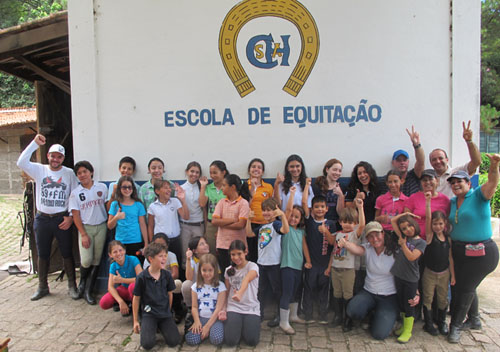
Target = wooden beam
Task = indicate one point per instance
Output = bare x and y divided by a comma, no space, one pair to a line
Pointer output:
44,73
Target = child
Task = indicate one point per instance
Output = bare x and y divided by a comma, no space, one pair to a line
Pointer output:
292,258
438,267
343,262
391,203
230,216
122,272
195,226
153,295
126,167
208,298
319,241
295,175
269,248
128,215
210,195
87,203
197,247
147,193
163,214
406,269
242,306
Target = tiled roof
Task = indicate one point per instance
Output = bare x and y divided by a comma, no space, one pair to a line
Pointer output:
17,116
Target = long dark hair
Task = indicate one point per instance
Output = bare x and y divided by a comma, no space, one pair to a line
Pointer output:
119,195
221,166
321,181
288,176
355,184
235,245
241,189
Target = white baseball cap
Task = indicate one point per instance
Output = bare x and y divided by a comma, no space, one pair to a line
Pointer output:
57,148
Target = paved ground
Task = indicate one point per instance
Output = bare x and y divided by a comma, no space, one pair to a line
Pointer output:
57,323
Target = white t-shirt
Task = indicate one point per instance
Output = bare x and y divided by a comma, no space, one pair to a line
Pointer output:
379,279
166,217
297,199
53,188
207,298
269,243
192,202
249,303
90,203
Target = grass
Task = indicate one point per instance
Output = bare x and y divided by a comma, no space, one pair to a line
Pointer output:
126,341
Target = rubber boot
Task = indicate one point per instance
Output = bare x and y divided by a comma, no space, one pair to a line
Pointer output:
347,319
43,286
399,331
284,323
89,287
294,318
473,321
429,323
338,309
84,273
407,329
462,305
276,320
69,268
443,328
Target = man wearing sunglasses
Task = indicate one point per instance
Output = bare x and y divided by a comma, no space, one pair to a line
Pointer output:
54,183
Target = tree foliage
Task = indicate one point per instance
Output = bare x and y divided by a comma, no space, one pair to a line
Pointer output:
15,91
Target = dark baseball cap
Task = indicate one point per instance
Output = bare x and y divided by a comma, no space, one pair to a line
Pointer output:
459,174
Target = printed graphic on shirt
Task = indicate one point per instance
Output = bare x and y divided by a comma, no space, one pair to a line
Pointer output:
265,237
52,192
339,253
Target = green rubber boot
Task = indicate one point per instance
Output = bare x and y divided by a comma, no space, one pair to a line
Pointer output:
399,331
407,329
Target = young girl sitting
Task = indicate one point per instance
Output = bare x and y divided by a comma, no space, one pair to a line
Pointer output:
208,298
438,268
406,270
197,247
163,214
128,215
230,216
122,272
153,296
242,306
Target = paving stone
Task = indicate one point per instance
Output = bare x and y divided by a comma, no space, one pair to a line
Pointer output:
317,341
281,339
481,337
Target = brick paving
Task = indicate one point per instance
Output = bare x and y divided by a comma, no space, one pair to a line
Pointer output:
57,323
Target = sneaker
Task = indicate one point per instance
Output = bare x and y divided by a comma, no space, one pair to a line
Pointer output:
310,321
323,322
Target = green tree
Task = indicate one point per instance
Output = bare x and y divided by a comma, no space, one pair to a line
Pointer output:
15,91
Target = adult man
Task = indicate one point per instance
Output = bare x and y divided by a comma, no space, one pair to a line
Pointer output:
401,162
439,161
54,184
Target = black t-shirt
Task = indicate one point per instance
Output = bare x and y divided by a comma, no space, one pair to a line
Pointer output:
368,203
319,248
154,293
436,256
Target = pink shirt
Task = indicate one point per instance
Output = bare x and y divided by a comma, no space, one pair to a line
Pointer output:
390,206
416,204
225,208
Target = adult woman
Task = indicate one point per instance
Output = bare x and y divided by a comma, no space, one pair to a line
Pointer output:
259,192
328,186
363,184
295,175
379,291
416,203
474,253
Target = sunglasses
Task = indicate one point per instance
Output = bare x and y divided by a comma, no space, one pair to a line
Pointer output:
126,187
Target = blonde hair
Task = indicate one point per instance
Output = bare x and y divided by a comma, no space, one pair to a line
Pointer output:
211,260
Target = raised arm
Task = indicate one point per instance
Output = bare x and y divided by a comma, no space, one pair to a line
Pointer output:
305,197
203,199
181,195
248,227
361,217
289,204
419,151
474,154
279,180
489,188
353,248
24,159
284,222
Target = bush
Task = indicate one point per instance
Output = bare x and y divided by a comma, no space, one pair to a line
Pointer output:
483,177
485,164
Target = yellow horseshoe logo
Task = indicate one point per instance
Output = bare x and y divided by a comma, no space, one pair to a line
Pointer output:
246,11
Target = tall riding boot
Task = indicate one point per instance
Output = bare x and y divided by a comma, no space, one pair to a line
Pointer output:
460,310
347,319
338,309
443,328
473,321
84,273
89,287
69,268
428,322
43,285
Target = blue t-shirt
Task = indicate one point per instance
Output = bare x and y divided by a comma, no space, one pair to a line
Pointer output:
128,229
127,270
472,222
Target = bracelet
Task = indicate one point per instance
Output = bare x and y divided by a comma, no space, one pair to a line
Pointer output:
469,141
417,146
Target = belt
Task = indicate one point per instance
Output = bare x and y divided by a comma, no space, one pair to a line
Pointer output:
62,213
461,243
192,223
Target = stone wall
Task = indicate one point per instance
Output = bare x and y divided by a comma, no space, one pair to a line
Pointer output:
11,181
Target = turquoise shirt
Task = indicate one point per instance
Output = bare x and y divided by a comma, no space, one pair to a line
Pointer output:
472,222
291,249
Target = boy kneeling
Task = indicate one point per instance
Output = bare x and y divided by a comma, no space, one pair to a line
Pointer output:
153,294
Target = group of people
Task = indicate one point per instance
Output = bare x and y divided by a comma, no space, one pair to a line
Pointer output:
225,248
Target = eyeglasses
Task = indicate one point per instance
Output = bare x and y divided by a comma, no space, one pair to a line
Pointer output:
126,187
